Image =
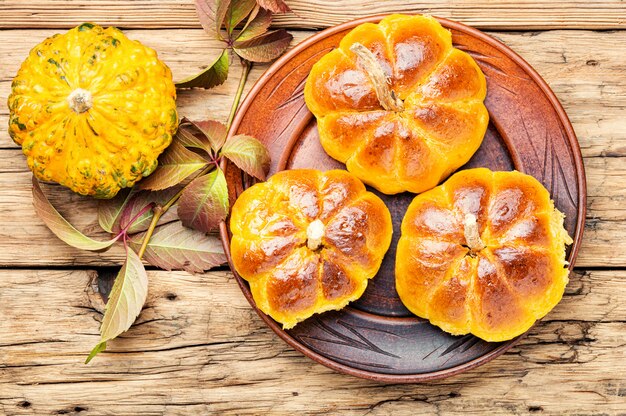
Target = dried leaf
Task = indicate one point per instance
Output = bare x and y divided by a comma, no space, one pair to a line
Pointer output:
59,225
264,48
211,14
249,154
137,202
204,202
175,165
126,299
275,6
189,136
238,10
257,25
109,210
175,247
214,75
215,131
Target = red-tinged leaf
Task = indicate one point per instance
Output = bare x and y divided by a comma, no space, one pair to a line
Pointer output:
211,14
59,225
204,202
176,247
237,12
189,136
275,6
256,26
214,75
137,203
110,210
175,165
215,131
249,154
264,48
126,300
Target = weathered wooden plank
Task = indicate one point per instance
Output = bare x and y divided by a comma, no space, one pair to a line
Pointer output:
25,240
583,69
198,348
499,14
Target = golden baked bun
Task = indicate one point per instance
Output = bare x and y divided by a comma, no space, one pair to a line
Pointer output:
398,104
308,241
484,253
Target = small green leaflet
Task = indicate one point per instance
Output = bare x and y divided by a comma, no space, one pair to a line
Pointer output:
126,300
139,200
188,137
265,47
59,225
215,131
110,210
175,247
208,11
175,165
249,154
257,25
275,6
204,202
214,75
238,11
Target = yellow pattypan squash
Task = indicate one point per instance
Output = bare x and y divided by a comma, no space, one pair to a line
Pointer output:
92,110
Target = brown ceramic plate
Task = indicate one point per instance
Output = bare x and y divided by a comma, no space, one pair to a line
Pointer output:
376,337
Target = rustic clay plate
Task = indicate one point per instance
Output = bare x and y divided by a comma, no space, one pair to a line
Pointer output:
376,337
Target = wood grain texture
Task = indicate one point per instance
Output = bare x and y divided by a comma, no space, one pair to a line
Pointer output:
198,348
581,67
485,14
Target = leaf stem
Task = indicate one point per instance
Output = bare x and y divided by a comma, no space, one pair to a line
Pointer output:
245,70
160,210
136,217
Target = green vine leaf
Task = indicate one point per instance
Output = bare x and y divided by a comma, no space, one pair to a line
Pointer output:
175,165
204,202
140,200
275,6
215,132
211,14
189,136
126,300
116,213
175,247
249,154
237,12
257,25
264,48
110,210
214,75
61,227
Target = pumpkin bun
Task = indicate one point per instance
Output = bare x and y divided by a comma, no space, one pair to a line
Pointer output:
307,242
484,253
398,104
92,110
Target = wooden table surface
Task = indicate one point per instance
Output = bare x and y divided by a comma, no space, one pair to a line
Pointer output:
198,348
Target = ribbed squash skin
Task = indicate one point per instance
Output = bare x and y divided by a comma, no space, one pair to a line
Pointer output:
115,142
444,119
498,292
288,280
